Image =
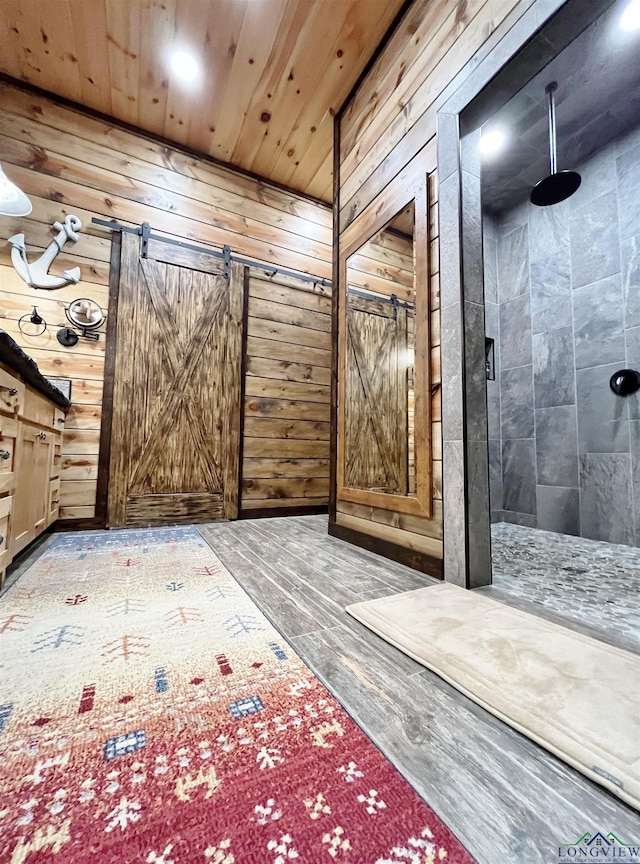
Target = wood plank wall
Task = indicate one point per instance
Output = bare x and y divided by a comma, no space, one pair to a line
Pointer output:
390,124
287,394
393,115
69,162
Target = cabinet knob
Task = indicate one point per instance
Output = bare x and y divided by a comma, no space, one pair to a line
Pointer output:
1,540
42,435
4,454
11,390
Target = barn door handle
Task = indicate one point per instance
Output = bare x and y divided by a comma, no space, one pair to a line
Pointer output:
4,454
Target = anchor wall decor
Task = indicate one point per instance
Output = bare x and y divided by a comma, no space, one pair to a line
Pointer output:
37,273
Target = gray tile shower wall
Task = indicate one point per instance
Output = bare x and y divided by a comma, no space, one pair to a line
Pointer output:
562,302
492,330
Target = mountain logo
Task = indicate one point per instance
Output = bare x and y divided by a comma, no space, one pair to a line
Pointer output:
598,847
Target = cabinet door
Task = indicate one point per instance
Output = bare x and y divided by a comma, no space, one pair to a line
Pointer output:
35,466
56,460
26,488
53,498
43,467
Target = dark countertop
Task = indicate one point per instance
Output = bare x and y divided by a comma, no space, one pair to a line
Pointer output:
12,355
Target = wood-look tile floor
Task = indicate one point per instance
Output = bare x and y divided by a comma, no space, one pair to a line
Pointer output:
508,800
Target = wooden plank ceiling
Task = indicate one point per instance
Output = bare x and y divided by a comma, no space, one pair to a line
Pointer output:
272,71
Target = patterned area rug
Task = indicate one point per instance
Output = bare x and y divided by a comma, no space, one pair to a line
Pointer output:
150,713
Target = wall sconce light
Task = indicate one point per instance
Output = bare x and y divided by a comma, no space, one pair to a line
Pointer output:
13,201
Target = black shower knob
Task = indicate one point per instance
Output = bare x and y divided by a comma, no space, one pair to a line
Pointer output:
625,382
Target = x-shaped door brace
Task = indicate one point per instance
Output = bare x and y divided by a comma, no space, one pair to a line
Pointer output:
182,388
385,446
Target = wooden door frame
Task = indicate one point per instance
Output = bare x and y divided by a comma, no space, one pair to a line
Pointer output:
104,457
400,194
99,520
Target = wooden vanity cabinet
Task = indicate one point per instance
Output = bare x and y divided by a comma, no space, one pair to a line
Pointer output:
31,429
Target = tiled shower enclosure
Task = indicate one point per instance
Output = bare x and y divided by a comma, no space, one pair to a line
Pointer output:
562,302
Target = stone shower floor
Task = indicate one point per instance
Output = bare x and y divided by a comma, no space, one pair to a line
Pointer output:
592,582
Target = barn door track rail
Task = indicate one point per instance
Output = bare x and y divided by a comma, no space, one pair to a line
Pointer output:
144,231
393,300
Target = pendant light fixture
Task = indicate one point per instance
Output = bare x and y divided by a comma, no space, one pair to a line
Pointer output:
559,185
13,201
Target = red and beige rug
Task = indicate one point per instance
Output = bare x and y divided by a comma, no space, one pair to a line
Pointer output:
150,714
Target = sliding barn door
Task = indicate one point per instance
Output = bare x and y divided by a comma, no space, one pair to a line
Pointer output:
177,390
376,440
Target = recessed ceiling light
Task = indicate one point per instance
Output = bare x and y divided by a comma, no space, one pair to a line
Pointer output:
630,18
492,142
184,66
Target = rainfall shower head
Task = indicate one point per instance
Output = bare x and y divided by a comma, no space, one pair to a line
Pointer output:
559,185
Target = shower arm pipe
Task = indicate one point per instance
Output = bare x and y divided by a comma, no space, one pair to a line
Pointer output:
553,156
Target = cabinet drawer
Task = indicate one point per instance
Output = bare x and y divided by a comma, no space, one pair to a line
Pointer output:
11,393
38,409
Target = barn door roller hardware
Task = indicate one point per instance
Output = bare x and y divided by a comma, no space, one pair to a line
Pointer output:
393,300
145,233
227,256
